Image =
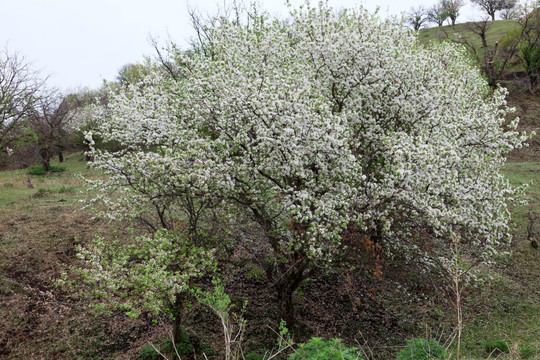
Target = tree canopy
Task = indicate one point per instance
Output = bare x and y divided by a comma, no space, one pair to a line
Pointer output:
337,126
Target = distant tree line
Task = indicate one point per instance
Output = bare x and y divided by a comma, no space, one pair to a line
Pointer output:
448,10
39,122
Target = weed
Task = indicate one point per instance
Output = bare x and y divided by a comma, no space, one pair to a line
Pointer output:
422,349
40,170
318,349
496,347
527,351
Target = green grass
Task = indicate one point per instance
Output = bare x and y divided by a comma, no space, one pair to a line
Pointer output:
14,190
519,174
496,32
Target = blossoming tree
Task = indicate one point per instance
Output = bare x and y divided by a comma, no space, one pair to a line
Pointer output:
337,125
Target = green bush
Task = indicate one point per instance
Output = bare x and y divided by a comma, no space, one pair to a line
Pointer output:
422,349
318,349
496,347
40,170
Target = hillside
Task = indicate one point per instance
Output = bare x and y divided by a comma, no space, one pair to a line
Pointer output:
497,30
42,222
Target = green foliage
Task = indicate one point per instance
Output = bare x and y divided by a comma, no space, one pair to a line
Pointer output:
527,351
183,348
496,347
318,349
422,349
40,170
218,300
148,352
254,356
42,191
144,273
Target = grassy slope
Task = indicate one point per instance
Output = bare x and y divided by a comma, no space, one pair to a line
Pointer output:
496,32
39,229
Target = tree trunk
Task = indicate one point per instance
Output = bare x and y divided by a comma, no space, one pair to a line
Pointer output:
290,276
177,312
60,156
286,307
86,149
45,154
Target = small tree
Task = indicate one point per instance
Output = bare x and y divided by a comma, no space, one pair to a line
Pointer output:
494,59
20,89
49,122
492,6
293,138
437,14
510,13
452,8
528,45
416,17
148,274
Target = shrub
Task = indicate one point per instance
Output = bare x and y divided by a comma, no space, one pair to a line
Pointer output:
496,347
318,349
40,170
422,349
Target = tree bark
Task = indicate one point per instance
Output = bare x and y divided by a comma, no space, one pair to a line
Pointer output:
177,312
45,154
290,276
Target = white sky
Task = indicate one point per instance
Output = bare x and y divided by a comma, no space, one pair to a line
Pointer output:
79,43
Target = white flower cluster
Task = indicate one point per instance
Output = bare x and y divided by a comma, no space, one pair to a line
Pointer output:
336,119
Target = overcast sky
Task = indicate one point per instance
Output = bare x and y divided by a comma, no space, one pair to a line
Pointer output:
81,43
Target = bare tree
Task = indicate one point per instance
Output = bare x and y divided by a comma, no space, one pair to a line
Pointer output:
20,87
416,17
529,45
49,121
437,14
510,13
492,6
493,59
